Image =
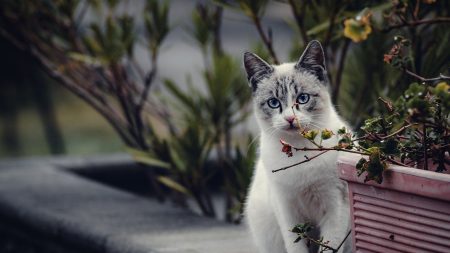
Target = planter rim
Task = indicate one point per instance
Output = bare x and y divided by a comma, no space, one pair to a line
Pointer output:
400,178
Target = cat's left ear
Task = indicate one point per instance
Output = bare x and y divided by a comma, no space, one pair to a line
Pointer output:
313,60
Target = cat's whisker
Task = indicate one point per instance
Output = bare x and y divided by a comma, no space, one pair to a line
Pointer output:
254,140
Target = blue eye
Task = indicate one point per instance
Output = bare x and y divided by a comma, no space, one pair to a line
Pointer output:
273,103
303,98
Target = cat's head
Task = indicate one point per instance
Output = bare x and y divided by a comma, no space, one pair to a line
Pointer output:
292,89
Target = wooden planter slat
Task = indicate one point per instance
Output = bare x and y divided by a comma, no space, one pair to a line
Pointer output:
408,212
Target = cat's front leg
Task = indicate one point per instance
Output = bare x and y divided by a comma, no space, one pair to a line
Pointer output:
335,226
264,226
287,218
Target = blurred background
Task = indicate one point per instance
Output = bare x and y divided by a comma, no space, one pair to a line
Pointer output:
164,80
39,117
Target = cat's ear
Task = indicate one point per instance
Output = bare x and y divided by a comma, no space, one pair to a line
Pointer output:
256,69
313,60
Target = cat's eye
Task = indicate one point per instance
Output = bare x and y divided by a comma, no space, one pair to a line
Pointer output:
303,98
273,103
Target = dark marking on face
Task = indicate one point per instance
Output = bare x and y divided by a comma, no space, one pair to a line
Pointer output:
285,89
281,89
311,106
267,113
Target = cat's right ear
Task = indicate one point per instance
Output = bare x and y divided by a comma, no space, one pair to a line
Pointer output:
256,68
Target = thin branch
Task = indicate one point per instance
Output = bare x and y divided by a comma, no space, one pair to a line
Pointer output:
319,243
267,40
298,15
304,161
417,23
342,243
340,69
397,132
147,83
441,77
217,41
20,45
329,33
81,14
331,149
425,151
396,162
69,84
138,68
415,14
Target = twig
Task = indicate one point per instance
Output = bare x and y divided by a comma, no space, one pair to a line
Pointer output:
266,39
329,33
298,15
415,14
304,161
217,40
81,14
397,132
417,23
425,151
319,243
396,162
147,83
70,85
19,44
340,69
342,243
423,79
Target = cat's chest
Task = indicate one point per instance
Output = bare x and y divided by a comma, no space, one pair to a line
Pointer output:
309,203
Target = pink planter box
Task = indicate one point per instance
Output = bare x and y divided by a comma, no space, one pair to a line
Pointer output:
408,212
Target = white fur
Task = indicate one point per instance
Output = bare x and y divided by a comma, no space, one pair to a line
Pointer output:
310,192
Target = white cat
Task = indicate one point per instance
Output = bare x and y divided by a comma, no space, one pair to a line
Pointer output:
309,192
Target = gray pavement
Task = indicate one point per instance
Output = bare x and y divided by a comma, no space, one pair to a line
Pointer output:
76,212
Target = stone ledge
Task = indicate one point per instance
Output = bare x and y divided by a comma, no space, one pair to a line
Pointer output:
40,197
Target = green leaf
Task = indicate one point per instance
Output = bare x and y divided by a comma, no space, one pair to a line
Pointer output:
172,184
342,131
86,59
176,159
146,158
182,97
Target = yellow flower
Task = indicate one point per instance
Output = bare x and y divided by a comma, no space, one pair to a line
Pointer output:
311,134
442,87
326,134
358,29
355,30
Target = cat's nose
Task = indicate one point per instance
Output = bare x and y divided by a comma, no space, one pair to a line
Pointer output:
290,119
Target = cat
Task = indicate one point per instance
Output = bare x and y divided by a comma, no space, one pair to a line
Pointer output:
309,192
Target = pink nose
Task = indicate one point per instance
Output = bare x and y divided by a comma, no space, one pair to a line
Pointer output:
290,119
